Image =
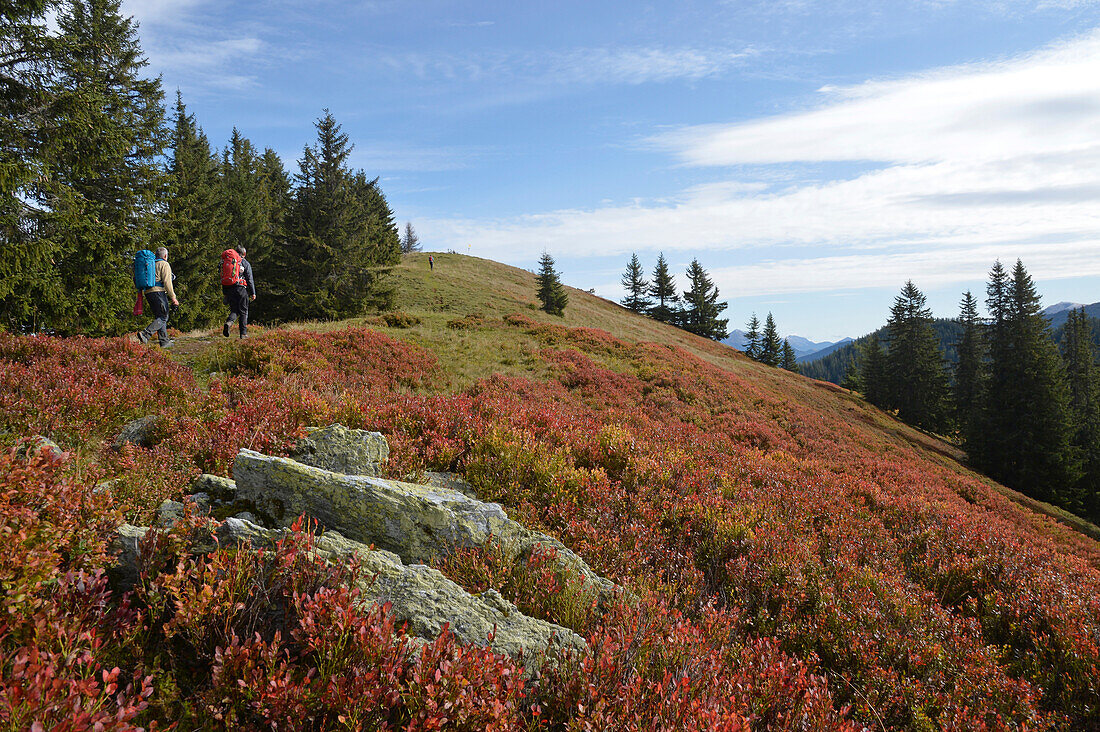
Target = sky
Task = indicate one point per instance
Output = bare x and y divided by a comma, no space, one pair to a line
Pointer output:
812,155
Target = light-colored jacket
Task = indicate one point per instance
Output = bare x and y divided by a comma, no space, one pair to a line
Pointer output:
164,279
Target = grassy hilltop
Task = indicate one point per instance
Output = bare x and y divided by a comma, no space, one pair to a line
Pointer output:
797,559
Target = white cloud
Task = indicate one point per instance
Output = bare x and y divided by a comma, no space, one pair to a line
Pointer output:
967,164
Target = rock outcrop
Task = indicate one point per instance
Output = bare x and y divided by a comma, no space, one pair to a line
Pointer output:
415,522
410,524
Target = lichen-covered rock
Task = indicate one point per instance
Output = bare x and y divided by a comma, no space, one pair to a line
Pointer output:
142,432
201,501
220,489
168,513
427,601
415,522
37,444
341,450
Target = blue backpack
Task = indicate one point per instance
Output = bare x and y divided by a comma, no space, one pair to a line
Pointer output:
145,269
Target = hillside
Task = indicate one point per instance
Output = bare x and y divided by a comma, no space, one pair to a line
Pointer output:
794,558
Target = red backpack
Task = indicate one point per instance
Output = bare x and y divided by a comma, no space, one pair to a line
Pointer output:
231,268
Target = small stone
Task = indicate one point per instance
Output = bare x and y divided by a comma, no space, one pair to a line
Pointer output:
201,501
37,444
142,432
249,517
168,513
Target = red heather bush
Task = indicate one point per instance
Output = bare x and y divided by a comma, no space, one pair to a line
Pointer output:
61,636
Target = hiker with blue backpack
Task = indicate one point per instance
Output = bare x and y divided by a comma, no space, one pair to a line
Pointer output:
238,288
153,279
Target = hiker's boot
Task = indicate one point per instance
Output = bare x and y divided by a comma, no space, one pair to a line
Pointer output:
168,343
225,330
142,337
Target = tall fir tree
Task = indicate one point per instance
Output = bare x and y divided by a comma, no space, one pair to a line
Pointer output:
1023,429
969,369
106,182
752,338
269,257
341,239
788,359
194,222
666,301
551,292
1084,404
637,289
771,348
915,373
701,305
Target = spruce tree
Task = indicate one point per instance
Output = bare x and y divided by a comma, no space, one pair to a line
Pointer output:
1023,432
666,301
701,306
788,360
872,372
29,107
269,258
1084,393
853,376
637,289
551,293
194,222
105,178
916,376
752,338
969,369
410,242
341,239
771,349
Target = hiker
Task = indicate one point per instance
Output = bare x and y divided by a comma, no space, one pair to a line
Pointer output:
431,263
158,296
238,288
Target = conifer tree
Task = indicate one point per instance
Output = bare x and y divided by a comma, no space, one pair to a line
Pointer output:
410,242
637,289
29,104
269,257
916,377
194,222
551,293
771,349
666,301
788,360
752,338
853,376
1023,430
873,371
1084,394
341,238
701,306
969,369
103,191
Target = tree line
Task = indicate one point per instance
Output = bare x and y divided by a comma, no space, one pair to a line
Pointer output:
93,169
696,310
1026,410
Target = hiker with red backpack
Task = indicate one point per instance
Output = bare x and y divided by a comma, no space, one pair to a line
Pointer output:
238,288
153,279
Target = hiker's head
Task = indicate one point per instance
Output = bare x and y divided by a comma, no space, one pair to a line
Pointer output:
162,253
240,249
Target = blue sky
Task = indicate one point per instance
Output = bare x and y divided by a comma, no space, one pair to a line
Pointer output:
812,155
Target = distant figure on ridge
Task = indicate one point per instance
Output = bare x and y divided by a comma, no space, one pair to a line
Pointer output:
238,288
158,295
431,262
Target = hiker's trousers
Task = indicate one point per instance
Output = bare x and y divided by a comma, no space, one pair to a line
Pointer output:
236,297
158,303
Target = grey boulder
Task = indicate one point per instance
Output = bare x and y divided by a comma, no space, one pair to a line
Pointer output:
341,450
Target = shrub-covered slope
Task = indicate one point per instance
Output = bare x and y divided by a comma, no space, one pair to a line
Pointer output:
799,560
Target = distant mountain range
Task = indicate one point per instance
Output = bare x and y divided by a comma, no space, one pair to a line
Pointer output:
803,347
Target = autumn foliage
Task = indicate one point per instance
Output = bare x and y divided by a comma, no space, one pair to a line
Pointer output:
794,564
